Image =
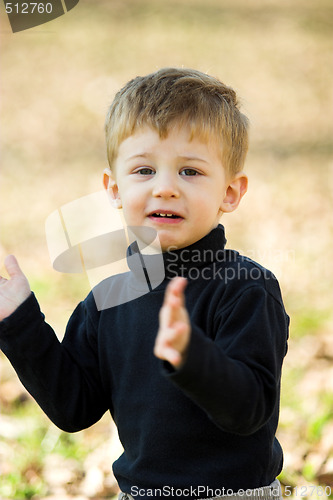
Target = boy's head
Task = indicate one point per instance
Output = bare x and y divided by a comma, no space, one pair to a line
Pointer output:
176,146
186,97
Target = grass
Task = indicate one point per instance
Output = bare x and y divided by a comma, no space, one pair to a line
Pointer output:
25,472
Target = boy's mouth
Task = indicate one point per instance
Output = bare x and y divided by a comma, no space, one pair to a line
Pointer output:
165,216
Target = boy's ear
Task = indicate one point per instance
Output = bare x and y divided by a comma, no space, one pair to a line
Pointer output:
234,192
111,187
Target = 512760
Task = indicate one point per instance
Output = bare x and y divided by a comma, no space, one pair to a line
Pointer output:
308,491
28,8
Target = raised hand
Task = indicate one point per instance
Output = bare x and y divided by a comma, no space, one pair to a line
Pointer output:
13,291
175,329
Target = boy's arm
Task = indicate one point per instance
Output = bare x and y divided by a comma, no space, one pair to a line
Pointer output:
234,378
66,386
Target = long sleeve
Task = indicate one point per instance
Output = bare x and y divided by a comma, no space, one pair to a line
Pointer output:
65,384
235,377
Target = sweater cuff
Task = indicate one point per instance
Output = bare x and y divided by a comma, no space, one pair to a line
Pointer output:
26,312
187,375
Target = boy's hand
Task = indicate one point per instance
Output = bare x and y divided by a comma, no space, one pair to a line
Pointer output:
174,332
13,291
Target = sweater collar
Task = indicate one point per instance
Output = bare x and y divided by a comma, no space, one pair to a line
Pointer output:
177,262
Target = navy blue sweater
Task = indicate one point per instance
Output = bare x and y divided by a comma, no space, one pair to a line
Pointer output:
211,423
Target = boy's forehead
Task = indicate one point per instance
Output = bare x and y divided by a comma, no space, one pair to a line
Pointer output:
178,134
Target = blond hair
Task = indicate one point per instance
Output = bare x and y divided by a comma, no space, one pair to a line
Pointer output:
186,97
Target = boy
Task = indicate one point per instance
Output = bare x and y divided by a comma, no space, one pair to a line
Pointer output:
190,376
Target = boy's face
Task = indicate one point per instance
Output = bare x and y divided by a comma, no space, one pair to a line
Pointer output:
176,186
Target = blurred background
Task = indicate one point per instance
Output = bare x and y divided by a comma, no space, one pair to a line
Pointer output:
57,81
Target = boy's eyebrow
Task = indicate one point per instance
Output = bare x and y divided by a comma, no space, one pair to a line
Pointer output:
193,157
181,157
139,155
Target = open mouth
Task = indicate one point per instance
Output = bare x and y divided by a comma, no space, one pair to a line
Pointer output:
165,217
168,216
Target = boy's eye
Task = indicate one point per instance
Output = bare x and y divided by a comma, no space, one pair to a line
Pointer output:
189,171
145,171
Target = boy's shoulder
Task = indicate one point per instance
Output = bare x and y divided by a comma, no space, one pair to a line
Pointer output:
242,273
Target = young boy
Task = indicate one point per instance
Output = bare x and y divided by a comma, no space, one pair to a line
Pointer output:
191,370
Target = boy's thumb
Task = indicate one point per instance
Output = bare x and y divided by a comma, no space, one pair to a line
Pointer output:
12,266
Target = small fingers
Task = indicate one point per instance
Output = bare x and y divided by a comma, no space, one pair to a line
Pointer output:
174,293
12,266
175,338
169,354
176,287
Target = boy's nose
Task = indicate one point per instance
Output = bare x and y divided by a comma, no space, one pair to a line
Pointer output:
165,187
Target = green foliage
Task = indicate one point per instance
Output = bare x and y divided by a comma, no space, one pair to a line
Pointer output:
18,486
23,475
309,321
318,421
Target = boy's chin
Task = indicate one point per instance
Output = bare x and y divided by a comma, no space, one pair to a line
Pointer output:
163,242
159,245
